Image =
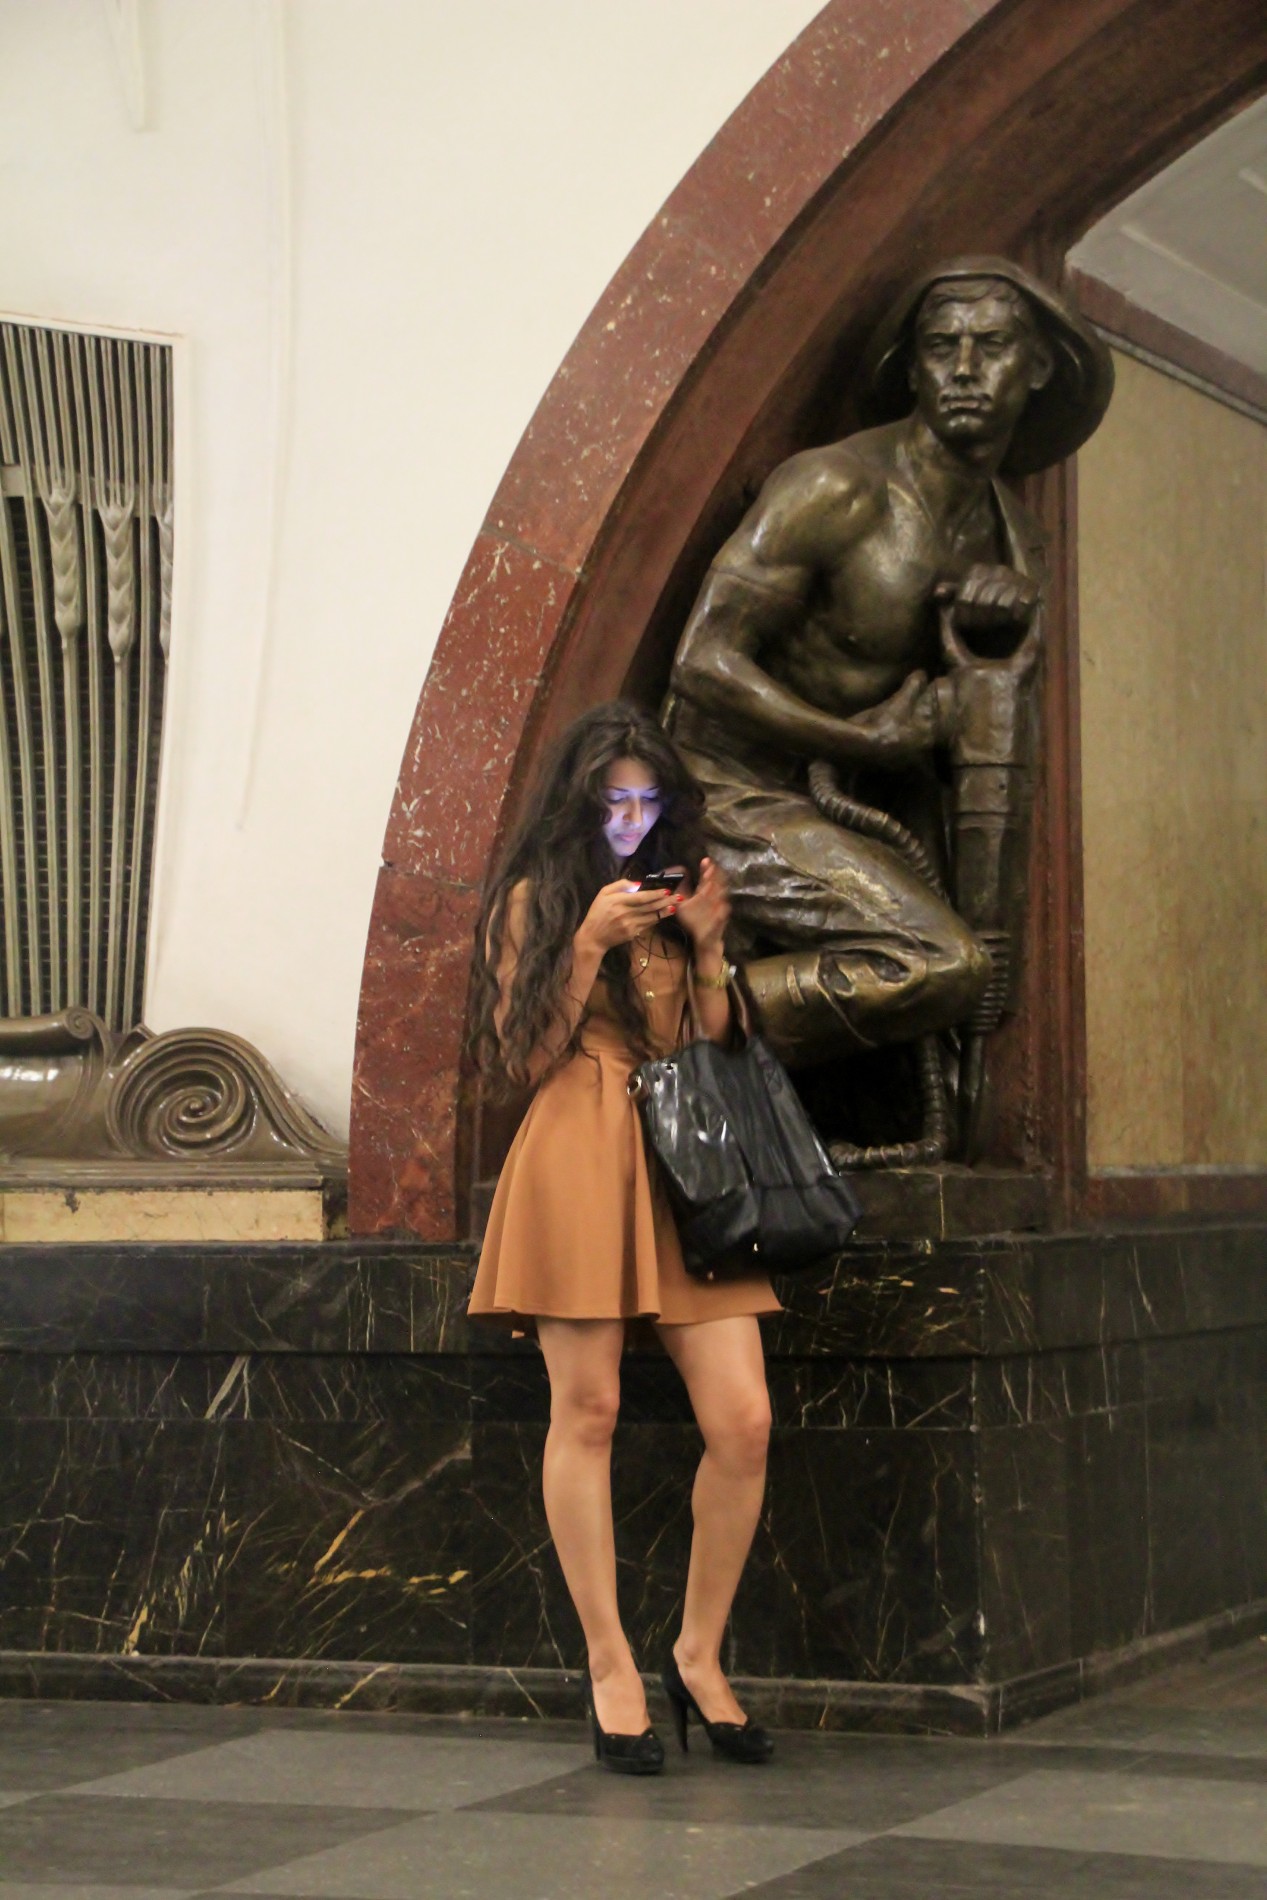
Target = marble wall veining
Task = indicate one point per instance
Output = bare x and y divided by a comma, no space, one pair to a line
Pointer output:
991,1459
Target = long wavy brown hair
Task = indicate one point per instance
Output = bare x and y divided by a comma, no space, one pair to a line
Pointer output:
560,853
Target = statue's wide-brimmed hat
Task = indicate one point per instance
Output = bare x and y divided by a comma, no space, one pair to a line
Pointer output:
1057,419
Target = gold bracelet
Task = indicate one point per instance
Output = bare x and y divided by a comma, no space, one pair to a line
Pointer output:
722,982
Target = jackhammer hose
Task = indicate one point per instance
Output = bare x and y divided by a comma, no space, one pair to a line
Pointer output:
852,815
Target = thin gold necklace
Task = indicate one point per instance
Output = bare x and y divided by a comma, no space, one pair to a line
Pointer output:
647,955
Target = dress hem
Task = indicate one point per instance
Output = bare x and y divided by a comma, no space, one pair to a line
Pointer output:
512,1316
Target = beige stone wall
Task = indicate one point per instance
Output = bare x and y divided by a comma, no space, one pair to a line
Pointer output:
1172,502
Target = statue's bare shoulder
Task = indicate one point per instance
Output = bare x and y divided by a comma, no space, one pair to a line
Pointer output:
811,510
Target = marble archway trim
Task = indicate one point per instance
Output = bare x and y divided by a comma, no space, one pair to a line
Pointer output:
883,136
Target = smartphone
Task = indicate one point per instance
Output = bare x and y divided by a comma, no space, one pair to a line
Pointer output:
662,881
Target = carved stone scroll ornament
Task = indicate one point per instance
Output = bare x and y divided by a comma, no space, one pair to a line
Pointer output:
189,1105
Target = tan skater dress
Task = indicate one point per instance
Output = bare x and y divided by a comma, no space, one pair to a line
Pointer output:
580,1226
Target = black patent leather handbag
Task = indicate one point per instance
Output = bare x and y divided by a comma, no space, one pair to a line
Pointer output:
750,1182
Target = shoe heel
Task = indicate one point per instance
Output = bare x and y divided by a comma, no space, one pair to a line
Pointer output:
677,1709
738,1741
591,1716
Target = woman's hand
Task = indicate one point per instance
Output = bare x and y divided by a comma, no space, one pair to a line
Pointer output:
620,913
706,912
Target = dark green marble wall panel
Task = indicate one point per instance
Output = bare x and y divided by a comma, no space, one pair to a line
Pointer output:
867,1565
1026,1548
989,1459
1111,1531
112,1536
348,1539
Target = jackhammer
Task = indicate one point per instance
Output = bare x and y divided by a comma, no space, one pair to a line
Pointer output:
987,714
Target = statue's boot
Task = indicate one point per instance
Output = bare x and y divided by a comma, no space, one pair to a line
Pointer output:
826,1001
805,1016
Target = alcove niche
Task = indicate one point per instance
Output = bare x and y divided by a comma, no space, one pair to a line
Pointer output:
727,340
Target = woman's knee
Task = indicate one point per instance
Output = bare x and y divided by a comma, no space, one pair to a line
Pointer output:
742,1439
972,971
586,1413
954,977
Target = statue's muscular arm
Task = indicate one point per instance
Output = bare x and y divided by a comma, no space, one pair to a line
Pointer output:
758,593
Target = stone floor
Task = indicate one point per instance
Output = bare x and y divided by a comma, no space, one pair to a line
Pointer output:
1156,1792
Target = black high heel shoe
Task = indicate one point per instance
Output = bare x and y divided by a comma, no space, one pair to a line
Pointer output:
737,1741
623,1754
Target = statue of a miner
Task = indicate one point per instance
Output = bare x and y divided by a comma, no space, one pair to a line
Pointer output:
861,651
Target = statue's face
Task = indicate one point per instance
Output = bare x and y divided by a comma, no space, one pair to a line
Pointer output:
976,363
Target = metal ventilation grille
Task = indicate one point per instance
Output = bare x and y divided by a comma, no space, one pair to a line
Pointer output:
85,615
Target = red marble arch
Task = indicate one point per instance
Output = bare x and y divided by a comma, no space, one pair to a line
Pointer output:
885,137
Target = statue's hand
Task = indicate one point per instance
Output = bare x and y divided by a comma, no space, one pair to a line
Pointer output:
900,728
988,597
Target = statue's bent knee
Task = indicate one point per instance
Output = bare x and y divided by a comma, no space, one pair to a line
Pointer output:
957,979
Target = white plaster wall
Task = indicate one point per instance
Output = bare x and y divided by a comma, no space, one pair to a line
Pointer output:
375,227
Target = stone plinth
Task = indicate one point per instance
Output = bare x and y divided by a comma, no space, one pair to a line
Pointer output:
1002,1471
50,1212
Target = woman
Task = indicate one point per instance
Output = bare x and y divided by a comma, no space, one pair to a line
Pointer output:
580,977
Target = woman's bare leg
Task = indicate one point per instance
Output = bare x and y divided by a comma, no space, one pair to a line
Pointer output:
724,1369
583,1360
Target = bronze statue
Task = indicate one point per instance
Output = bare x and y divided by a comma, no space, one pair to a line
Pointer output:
876,615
